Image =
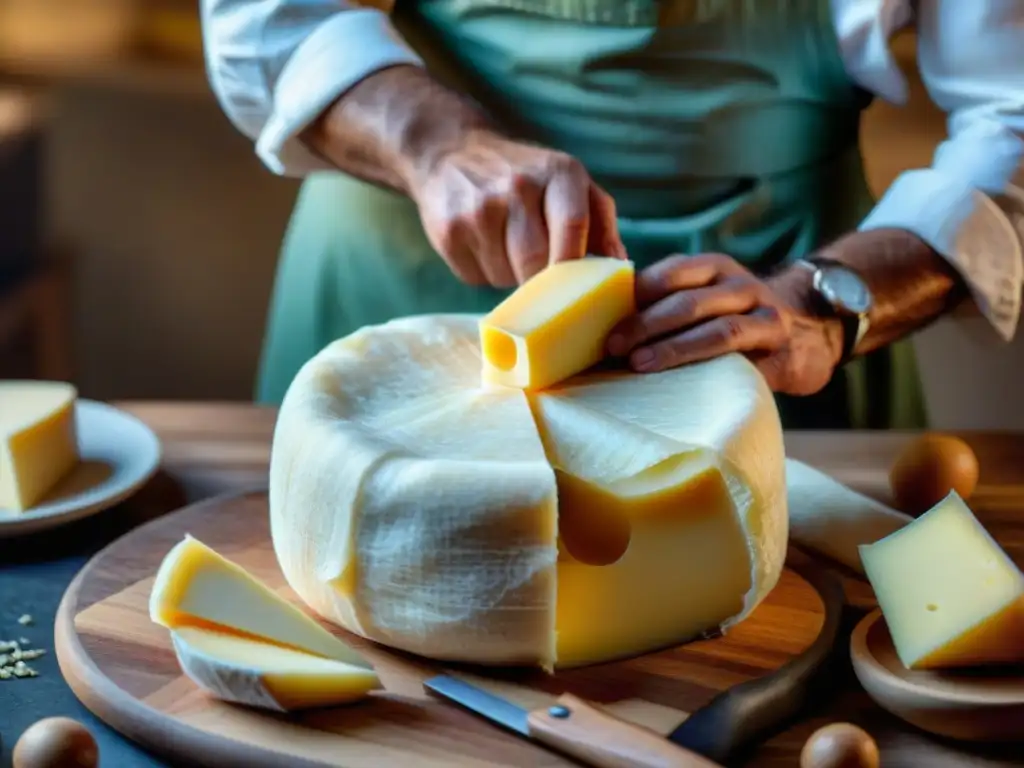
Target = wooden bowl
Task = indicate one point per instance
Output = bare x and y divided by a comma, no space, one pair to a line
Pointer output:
985,705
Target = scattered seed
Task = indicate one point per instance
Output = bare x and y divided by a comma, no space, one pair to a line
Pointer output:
14,654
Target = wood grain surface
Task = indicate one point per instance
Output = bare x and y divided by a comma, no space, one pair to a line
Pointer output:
123,668
212,448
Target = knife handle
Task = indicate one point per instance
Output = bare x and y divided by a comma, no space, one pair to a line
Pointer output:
599,739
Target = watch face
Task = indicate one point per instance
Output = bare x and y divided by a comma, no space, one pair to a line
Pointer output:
844,289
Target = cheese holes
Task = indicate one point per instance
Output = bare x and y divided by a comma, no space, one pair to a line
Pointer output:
500,349
592,534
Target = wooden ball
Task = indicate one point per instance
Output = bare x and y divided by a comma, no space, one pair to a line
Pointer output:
839,745
56,742
929,468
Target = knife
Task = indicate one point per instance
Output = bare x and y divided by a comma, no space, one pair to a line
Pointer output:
750,712
572,726
733,721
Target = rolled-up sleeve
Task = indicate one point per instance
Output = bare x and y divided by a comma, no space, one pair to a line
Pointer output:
276,65
967,205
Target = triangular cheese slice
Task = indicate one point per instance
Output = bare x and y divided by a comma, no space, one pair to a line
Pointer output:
249,672
198,587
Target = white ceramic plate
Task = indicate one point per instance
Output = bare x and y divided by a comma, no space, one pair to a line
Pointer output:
119,453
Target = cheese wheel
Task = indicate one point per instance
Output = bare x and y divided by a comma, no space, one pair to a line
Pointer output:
609,516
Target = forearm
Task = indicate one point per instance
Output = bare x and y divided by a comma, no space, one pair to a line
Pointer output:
393,125
912,284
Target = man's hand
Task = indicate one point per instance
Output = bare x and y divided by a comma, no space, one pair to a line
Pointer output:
700,307
498,211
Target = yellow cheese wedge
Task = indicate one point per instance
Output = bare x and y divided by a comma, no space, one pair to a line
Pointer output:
197,587
603,518
950,595
38,440
556,323
249,672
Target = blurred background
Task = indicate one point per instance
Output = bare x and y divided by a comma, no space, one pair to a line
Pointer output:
139,233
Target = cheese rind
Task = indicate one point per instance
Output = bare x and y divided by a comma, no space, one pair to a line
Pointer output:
387,483
249,672
421,510
555,324
200,588
38,440
950,595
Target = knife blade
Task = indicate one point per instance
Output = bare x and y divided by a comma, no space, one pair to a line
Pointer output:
577,728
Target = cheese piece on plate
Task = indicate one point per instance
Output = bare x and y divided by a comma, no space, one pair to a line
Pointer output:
833,519
249,672
556,323
949,594
38,440
197,587
421,509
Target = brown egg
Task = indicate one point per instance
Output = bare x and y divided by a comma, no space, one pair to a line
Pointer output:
929,468
839,745
56,742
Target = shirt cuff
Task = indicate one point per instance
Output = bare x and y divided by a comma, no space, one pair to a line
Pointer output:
342,51
968,229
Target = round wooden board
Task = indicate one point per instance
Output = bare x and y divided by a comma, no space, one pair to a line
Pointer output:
984,706
122,667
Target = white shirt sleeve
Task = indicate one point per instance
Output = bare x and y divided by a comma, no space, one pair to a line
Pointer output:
966,205
276,65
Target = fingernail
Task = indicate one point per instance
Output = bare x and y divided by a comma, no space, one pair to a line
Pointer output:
617,345
644,359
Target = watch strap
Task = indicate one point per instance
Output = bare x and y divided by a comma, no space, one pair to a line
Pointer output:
855,327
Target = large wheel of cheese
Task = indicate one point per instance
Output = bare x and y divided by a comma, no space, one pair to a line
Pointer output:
416,507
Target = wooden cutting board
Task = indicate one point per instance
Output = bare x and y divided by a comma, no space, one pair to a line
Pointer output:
122,667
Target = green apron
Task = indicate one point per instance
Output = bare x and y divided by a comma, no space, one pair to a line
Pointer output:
717,125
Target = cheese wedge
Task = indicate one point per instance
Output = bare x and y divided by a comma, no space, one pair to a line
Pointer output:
832,519
603,518
197,587
38,440
950,595
556,323
249,672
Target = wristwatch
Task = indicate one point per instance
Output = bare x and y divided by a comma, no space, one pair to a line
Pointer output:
843,294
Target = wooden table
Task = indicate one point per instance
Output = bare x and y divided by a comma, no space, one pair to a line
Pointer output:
215,448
